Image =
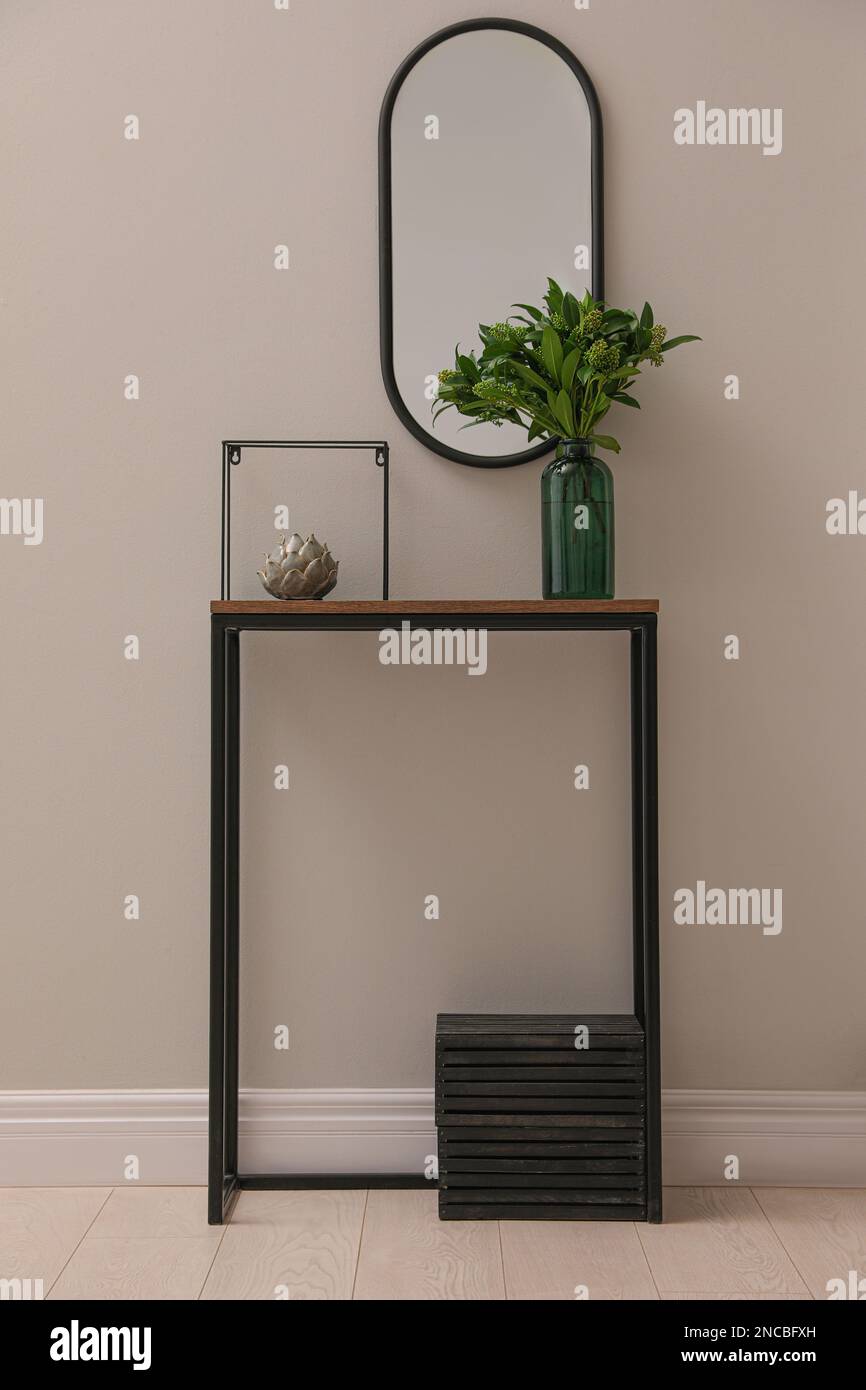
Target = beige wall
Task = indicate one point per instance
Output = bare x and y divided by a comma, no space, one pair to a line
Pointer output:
155,258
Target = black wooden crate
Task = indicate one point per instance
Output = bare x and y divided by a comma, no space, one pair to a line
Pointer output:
532,1127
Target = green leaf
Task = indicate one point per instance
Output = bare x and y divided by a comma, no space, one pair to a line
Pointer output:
626,400
606,441
614,320
469,367
530,309
684,338
564,413
570,309
529,375
551,351
646,318
569,367
553,298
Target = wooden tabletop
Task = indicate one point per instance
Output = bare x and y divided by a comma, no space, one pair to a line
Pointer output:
456,606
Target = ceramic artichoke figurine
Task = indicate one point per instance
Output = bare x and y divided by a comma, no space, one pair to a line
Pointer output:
299,569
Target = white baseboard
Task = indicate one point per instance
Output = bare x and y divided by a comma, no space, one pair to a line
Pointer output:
74,1138
781,1138
81,1138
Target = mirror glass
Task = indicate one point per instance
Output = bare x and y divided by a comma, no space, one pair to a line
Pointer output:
490,181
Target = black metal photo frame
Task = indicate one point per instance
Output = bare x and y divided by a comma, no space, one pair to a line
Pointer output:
386,283
232,452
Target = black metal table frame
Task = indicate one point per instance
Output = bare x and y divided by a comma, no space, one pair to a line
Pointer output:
225,1180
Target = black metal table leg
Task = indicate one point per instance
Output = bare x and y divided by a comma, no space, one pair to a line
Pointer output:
216,1094
223,1073
232,1009
644,753
651,909
638,857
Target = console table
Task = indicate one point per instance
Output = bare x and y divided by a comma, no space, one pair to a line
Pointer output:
229,619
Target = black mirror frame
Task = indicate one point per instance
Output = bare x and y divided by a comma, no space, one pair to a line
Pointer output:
386,287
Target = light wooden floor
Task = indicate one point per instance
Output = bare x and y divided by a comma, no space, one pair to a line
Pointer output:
154,1243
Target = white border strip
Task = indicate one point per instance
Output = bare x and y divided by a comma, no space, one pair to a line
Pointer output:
77,1138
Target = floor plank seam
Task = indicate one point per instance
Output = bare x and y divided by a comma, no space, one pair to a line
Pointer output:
360,1244
781,1240
80,1242
647,1263
209,1271
502,1262
647,1259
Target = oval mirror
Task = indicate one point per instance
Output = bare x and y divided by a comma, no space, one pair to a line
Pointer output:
490,180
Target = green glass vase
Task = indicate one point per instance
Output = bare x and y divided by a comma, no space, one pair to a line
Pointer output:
577,523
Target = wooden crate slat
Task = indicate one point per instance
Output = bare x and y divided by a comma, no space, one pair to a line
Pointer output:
542,1056
473,1025
563,1042
447,1075
469,1211
542,1182
542,1105
455,1164
510,1120
603,1090
450,1149
540,1196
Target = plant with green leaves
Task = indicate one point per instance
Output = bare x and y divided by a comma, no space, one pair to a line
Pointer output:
557,372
